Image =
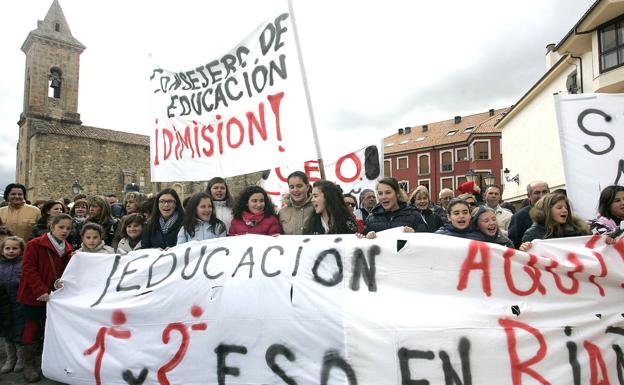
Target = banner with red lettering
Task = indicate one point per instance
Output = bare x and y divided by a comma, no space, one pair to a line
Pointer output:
353,172
399,309
241,112
591,130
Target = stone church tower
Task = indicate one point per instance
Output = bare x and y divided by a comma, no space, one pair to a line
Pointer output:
55,151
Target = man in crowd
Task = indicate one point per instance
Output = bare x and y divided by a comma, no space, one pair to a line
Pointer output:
521,220
445,196
367,202
492,199
18,216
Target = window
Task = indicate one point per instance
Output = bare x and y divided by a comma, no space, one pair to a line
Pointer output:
387,167
446,161
420,139
54,83
481,150
461,154
459,180
423,164
390,144
404,141
469,129
446,182
451,133
142,180
404,185
57,27
611,44
425,182
402,163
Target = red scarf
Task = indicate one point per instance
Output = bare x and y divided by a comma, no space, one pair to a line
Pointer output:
252,220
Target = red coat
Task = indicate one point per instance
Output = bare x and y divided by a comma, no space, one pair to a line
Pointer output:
267,226
37,273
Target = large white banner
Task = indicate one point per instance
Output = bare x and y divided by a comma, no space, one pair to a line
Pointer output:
400,309
353,172
591,128
243,111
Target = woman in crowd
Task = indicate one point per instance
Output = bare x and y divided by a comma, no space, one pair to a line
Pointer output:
222,200
254,214
351,203
49,210
100,213
470,199
165,221
331,215
200,221
610,212
484,220
552,218
298,209
78,212
393,211
420,200
133,201
459,224
131,231
45,259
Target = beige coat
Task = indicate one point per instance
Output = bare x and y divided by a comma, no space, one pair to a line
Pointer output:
293,218
20,221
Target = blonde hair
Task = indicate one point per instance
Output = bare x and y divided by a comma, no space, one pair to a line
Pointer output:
541,214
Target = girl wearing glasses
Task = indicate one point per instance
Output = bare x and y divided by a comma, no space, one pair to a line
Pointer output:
165,221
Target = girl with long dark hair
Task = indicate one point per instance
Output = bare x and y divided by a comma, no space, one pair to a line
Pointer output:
254,214
165,221
200,221
331,214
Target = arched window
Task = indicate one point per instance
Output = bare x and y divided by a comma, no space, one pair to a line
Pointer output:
54,83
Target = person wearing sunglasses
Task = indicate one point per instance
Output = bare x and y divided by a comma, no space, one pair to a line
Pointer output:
351,203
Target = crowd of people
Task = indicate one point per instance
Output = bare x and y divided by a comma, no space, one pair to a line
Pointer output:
38,240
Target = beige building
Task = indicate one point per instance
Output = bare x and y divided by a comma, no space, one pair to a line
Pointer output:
54,149
589,59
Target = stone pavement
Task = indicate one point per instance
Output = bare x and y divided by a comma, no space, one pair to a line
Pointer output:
17,378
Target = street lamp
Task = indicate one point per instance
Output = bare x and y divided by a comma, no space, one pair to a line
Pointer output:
515,178
76,188
472,176
489,179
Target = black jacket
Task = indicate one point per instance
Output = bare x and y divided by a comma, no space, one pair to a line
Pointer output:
158,240
520,222
469,233
317,226
406,215
432,219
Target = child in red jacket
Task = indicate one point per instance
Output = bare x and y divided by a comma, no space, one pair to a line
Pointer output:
44,261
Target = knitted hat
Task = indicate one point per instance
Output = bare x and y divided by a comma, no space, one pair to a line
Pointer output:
470,188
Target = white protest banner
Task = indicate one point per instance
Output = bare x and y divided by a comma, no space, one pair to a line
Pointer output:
242,112
591,128
399,309
353,172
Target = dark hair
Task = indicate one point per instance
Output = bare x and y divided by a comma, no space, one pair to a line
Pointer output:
10,187
129,219
155,217
105,214
607,196
190,216
59,218
301,175
229,201
45,217
400,193
92,226
5,231
80,196
347,195
454,202
336,208
147,206
241,203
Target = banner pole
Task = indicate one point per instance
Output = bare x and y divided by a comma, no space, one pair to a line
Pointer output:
317,143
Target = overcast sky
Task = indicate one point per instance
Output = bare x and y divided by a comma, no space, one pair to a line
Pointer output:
372,66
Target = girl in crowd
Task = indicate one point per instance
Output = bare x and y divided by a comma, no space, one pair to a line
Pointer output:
393,211
50,209
484,220
221,200
611,212
133,201
351,203
200,221
298,209
165,221
79,212
552,218
420,200
100,213
131,230
45,259
10,273
92,242
331,215
254,214
459,221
